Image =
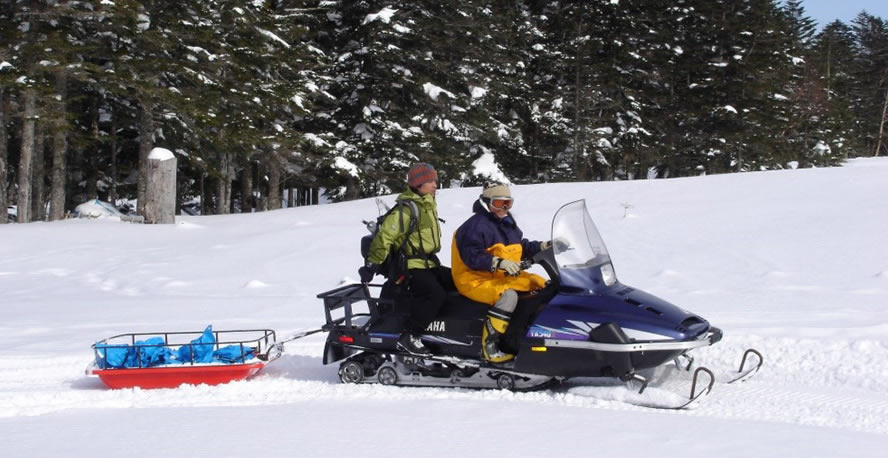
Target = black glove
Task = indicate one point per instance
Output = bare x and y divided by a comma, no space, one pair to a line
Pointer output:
368,271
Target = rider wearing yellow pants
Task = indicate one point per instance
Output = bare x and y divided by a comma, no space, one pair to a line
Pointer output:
486,255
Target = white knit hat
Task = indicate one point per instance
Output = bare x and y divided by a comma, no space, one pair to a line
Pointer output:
496,191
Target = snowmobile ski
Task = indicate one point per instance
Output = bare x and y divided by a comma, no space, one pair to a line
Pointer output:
742,375
694,396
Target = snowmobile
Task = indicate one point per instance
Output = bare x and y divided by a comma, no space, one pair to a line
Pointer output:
587,324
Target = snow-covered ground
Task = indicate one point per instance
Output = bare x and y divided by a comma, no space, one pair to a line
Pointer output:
793,263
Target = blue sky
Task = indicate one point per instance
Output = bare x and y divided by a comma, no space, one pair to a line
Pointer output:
826,11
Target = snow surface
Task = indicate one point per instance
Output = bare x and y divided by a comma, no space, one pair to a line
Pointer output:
793,263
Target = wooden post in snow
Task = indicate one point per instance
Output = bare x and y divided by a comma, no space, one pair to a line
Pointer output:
160,190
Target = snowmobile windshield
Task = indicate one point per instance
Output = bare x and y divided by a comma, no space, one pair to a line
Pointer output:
582,259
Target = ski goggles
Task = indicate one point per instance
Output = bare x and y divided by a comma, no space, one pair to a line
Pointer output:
501,203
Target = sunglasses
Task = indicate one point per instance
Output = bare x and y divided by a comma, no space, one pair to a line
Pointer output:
501,204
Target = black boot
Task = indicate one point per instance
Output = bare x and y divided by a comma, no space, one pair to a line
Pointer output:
412,344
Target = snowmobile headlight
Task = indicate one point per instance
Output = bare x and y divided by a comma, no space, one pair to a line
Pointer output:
608,275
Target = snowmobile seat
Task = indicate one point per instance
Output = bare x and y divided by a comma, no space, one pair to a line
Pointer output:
459,318
459,307
456,306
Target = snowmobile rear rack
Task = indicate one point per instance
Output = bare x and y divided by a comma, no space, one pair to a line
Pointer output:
343,298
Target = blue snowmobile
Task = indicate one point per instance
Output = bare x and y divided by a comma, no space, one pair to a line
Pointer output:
585,324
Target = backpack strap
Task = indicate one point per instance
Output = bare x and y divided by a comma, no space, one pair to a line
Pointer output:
399,257
412,223
419,253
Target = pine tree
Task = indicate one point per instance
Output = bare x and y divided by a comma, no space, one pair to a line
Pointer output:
4,144
832,56
807,117
398,76
35,50
6,80
870,97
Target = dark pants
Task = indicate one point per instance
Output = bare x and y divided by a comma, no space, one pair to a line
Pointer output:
429,288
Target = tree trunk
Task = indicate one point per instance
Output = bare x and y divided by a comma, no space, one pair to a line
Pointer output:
882,124
247,188
146,144
59,151
291,197
92,154
24,170
352,188
4,142
829,42
160,188
74,169
112,167
581,161
203,194
38,173
223,186
274,182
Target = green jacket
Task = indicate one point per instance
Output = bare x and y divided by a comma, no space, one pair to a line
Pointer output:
424,241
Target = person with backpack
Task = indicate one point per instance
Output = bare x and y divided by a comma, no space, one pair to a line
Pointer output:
486,253
408,243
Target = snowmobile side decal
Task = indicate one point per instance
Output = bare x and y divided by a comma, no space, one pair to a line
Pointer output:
586,327
539,330
632,347
444,340
642,335
384,335
582,325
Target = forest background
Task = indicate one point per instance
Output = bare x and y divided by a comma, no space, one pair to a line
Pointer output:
281,103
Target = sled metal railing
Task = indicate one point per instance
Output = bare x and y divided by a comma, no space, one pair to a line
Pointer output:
257,341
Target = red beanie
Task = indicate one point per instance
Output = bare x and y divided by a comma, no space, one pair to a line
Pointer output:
420,174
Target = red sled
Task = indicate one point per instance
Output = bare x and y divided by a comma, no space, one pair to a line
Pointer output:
254,348
172,377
